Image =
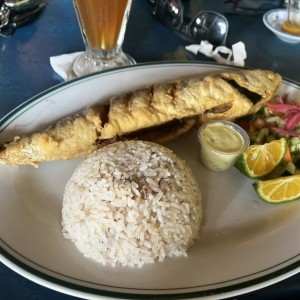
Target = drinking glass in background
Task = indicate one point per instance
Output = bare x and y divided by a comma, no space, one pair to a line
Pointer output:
294,12
103,25
292,24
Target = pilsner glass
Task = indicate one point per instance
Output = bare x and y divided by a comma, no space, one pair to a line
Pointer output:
294,12
292,24
103,25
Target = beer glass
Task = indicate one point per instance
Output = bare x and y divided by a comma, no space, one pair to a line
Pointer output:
292,24
103,25
294,13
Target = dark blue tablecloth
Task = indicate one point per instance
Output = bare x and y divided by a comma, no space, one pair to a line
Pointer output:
25,71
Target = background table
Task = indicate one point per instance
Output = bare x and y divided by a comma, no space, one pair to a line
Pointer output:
25,71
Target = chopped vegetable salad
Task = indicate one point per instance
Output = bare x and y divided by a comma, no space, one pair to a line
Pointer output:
279,118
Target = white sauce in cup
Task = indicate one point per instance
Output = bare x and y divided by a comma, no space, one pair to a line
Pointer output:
221,143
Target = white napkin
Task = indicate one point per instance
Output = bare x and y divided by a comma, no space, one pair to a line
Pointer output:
63,65
235,56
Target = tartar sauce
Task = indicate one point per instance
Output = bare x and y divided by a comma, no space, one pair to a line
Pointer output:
221,143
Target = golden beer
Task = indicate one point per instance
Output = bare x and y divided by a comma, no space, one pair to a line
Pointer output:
292,24
101,21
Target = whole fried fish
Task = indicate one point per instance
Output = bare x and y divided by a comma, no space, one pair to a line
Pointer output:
157,113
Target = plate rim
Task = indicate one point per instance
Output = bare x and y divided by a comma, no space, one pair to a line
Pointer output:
61,85
68,287
74,289
64,84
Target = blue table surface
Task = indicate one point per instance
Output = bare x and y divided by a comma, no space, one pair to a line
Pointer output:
25,71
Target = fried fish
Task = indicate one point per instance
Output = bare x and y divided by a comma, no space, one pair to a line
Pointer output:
157,113
73,136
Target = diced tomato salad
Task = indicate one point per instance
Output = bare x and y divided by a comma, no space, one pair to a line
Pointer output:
279,118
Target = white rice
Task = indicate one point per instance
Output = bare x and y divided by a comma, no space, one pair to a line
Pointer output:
131,203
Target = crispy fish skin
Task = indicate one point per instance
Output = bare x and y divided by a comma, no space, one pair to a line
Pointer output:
71,137
212,97
165,102
157,134
263,83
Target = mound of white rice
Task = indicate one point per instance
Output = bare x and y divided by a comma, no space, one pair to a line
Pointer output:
132,203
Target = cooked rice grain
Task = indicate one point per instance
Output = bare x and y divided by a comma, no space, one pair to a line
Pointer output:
132,203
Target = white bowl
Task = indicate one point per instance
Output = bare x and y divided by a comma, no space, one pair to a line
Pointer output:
273,20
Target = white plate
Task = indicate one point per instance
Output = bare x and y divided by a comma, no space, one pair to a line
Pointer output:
273,20
245,244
